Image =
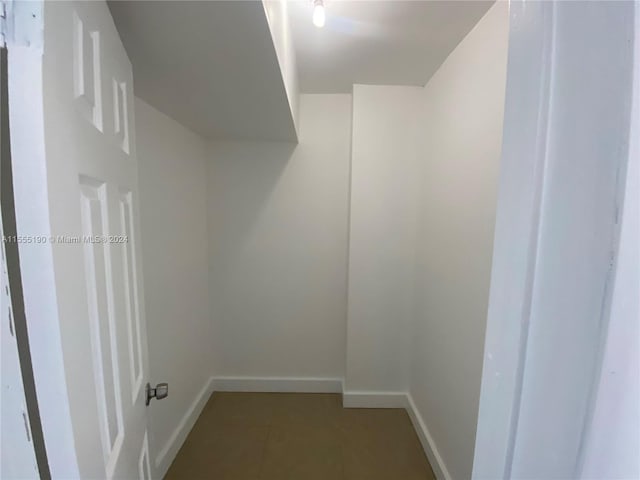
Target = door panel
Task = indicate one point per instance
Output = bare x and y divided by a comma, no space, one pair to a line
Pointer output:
144,466
92,181
99,282
132,303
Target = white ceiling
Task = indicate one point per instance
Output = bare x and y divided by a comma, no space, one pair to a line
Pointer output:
210,65
377,42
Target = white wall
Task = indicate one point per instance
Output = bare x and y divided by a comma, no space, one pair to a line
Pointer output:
461,135
381,237
361,254
173,212
516,231
278,248
277,12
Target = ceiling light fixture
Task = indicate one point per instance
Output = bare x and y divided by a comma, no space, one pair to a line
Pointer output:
318,13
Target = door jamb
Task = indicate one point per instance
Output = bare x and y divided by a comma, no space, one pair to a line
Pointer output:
24,40
534,33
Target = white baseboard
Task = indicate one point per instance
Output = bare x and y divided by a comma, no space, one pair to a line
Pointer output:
179,435
274,384
429,446
374,400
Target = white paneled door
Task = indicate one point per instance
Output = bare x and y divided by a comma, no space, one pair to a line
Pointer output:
92,237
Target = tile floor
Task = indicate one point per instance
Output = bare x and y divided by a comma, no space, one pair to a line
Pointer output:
291,436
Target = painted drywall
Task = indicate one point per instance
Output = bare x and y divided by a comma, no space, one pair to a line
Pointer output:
173,212
221,58
378,42
278,248
277,12
381,237
461,136
516,231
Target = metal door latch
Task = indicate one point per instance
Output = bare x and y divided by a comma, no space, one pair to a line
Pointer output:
160,391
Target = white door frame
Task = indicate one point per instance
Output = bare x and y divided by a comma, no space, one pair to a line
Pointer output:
25,48
22,444
565,152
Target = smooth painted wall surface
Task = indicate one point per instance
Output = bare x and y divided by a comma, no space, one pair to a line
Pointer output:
381,237
277,12
461,136
278,218
173,213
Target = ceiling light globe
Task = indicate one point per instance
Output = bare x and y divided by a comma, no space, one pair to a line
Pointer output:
318,15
